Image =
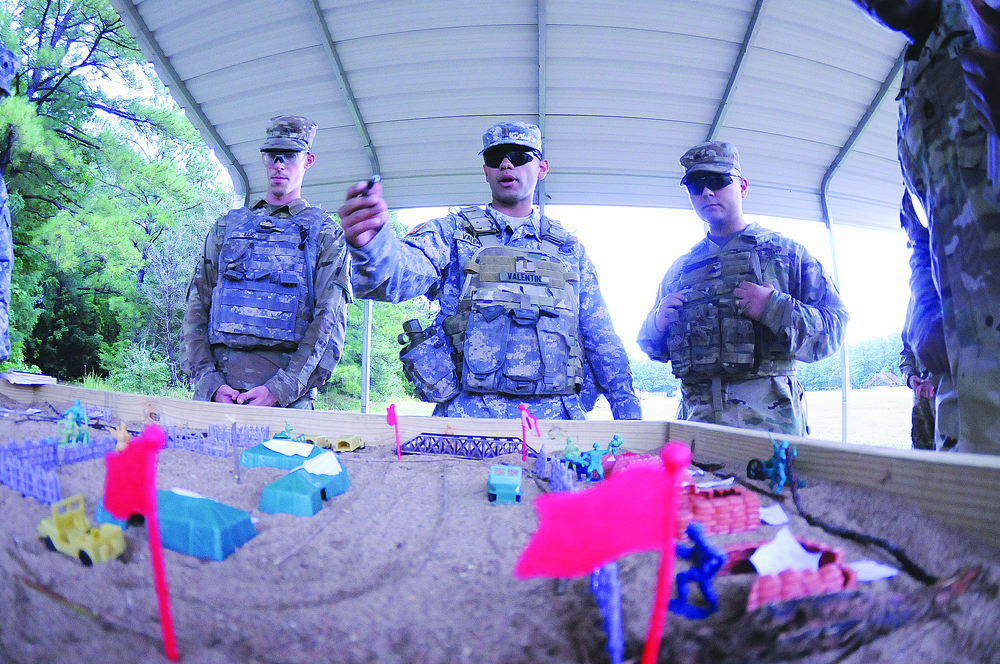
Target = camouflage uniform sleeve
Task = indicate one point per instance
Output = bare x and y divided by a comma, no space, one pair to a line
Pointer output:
653,342
604,348
197,360
392,269
321,348
805,311
924,310
908,362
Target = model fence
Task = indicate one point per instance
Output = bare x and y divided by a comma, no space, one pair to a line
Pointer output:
44,454
217,441
77,453
30,479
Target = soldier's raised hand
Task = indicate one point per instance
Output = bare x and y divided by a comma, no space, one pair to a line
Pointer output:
361,216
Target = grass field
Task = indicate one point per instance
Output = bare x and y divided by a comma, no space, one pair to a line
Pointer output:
877,416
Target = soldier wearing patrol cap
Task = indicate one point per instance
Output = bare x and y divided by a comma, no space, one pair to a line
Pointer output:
267,306
738,313
8,68
522,318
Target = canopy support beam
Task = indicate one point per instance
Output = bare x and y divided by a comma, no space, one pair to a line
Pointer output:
847,148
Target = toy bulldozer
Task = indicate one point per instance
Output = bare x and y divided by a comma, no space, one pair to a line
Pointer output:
69,532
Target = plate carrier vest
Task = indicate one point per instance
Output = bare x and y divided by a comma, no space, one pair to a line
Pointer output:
264,292
517,321
710,337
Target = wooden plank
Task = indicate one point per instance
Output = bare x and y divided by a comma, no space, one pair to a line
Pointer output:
962,489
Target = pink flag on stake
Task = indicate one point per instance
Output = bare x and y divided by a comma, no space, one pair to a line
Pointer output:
631,511
528,423
390,418
130,488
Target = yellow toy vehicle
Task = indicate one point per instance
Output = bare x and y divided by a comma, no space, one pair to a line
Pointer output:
69,532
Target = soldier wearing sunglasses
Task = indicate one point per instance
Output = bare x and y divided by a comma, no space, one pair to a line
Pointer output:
267,306
738,313
522,318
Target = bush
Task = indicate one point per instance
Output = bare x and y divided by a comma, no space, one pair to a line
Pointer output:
142,371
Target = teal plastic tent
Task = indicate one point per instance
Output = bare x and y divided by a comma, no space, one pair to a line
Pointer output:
202,527
259,455
302,493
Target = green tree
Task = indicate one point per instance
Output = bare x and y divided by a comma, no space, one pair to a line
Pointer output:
387,379
101,164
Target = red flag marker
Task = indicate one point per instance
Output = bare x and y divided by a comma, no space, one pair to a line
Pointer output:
130,488
631,511
528,423
390,418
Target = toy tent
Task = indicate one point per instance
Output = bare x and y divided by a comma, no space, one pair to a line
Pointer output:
259,455
202,527
302,493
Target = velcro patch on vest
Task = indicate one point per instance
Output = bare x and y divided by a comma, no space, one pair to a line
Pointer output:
524,278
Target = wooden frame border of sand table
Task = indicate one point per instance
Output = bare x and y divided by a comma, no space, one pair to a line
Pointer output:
962,489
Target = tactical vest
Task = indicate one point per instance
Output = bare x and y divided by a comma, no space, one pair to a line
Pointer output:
710,337
517,321
264,292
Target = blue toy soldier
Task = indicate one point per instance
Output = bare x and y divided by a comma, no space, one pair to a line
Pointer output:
706,561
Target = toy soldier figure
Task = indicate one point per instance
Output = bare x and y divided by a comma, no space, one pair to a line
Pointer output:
267,305
8,67
737,313
522,315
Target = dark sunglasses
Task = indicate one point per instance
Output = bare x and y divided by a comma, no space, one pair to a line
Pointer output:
714,181
517,157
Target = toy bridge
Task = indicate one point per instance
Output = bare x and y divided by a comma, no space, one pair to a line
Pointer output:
466,447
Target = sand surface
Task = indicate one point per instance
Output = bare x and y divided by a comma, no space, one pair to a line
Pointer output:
413,564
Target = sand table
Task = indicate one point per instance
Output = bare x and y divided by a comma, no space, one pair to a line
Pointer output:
413,564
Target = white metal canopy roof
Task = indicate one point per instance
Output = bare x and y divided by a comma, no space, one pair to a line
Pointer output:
620,88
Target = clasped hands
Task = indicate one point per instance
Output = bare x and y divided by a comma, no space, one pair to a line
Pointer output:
750,299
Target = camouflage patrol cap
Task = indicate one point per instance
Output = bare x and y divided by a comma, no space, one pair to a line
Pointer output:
513,133
289,133
711,157
8,67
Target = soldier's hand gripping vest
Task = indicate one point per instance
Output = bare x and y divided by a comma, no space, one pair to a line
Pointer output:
710,336
263,296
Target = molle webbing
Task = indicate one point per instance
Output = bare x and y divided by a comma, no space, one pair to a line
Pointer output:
516,327
263,296
711,338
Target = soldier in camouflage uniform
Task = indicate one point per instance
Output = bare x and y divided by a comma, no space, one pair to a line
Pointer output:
267,305
736,314
932,393
943,152
8,67
521,312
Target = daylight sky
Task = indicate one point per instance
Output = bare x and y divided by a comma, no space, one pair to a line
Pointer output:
633,247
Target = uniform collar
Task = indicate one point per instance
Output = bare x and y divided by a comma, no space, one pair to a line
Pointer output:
513,223
293,208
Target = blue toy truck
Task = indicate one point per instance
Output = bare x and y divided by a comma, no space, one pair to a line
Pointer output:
504,485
